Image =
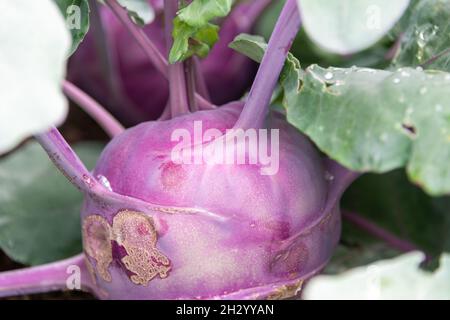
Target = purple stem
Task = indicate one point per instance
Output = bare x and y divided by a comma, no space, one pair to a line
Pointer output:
191,83
166,113
178,94
67,161
204,104
255,10
434,58
379,232
200,82
339,179
256,107
44,278
73,169
392,52
94,109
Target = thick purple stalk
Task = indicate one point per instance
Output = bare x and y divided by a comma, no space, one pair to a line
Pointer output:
200,81
378,232
392,52
256,9
178,94
66,160
149,48
45,278
166,113
339,179
191,83
256,107
94,109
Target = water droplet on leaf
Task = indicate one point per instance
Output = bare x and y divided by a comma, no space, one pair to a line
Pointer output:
329,76
405,74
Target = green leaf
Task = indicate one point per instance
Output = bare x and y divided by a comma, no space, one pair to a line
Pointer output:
34,44
200,12
426,36
398,278
189,41
193,34
373,120
393,203
254,47
139,11
349,26
39,209
249,45
76,15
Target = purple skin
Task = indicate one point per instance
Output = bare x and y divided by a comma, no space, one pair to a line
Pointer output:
246,228
153,229
136,91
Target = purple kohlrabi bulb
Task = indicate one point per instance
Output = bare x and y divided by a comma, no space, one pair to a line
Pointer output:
209,230
131,87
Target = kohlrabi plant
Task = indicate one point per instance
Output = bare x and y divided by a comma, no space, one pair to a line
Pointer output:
226,196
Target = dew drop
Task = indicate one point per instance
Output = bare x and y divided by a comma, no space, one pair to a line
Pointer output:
409,111
425,34
321,128
423,90
329,76
405,74
438,108
328,176
401,99
367,70
396,80
105,182
419,68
